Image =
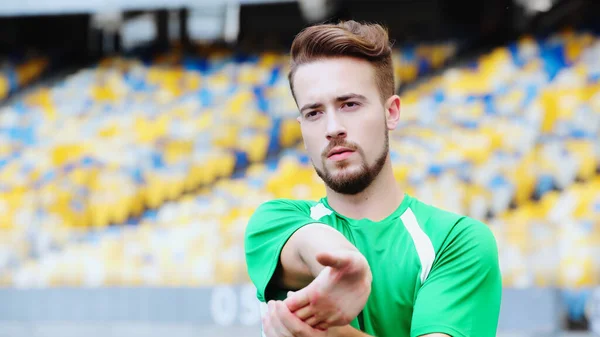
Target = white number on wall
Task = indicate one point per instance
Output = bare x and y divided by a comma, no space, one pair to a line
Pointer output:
232,306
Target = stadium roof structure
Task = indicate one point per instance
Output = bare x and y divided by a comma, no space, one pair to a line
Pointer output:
42,7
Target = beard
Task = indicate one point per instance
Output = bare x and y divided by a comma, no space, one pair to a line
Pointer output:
352,183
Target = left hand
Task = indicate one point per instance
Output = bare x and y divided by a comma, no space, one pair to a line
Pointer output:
337,295
280,322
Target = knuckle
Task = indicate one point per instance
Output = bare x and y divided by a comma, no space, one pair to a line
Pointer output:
316,297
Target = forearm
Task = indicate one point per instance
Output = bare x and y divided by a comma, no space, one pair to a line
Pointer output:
299,265
316,239
345,331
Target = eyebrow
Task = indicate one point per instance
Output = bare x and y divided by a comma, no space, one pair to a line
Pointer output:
337,99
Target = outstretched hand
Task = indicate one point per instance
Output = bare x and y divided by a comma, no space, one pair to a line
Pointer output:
337,295
280,322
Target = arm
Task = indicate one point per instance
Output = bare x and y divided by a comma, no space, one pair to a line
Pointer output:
461,296
286,250
281,245
346,331
279,321
298,263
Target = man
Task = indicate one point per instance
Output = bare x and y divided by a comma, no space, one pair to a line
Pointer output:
366,259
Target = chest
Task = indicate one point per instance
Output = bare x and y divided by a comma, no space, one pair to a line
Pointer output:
396,268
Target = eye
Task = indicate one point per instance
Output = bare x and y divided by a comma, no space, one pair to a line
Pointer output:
350,106
312,114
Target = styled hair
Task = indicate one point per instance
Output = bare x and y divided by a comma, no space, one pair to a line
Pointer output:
369,42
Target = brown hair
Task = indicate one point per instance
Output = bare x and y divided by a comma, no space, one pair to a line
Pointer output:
368,42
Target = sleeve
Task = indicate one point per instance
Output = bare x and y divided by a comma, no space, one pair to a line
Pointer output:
462,294
269,228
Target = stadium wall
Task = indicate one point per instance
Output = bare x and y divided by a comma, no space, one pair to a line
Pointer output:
211,311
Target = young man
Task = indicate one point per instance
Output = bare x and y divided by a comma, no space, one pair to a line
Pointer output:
367,259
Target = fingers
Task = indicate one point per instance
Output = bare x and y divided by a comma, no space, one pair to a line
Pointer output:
297,300
281,322
335,260
276,326
317,323
267,327
291,323
323,326
304,313
312,321
328,260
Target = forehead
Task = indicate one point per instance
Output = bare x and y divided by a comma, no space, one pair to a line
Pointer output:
323,80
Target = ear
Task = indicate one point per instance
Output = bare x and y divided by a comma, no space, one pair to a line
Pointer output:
298,118
392,112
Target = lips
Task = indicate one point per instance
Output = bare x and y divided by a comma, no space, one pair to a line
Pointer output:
338,150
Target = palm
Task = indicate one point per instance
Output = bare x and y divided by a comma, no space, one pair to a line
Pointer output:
337,294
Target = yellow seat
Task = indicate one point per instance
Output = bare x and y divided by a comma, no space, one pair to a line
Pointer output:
4,86
256,146
407,71
31,70
6,214
550,107
226,136
578,270
524,176
224,164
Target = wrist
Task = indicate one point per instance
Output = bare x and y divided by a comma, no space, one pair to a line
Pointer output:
345,331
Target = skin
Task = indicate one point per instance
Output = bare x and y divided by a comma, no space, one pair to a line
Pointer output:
340,106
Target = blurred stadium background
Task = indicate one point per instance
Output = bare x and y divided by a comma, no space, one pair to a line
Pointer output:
136,138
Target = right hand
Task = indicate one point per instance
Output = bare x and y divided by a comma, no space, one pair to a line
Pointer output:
337,295
280,322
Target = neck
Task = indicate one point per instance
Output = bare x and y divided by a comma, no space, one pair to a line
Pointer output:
375,203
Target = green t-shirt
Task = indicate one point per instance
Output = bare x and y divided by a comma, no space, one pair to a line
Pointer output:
433,270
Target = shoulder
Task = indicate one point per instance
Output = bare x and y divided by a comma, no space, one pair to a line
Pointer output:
279,213
473,240
430,215
284,205
473,237
452,230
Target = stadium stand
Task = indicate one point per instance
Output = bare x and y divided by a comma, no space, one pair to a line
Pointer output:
104,171
18,71
122,185
131,159
507,138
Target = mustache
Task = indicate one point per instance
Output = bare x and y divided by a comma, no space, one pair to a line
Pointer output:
341,143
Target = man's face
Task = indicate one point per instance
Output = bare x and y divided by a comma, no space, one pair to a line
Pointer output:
343,122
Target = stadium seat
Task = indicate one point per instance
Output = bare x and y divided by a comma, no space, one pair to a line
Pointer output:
510,139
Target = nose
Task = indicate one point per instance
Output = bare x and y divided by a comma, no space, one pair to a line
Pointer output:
335,129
